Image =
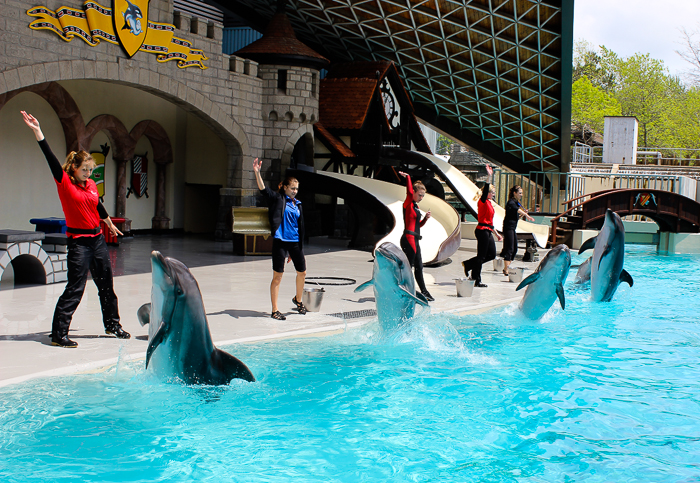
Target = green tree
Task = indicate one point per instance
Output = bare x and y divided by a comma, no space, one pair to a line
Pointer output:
590,105
645,90
599,68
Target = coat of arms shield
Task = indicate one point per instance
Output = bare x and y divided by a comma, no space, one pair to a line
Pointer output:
130,23
139,176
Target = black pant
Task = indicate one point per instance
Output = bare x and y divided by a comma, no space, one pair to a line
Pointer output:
415,259
510,245
86,253
485,252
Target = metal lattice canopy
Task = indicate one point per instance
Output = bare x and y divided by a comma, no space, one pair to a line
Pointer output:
494,74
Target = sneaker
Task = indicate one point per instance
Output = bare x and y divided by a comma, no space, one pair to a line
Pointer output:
277,315
118,332
480,285
427,296
63,342
299,305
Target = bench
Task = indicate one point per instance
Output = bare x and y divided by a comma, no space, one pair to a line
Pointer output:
251,231
50,224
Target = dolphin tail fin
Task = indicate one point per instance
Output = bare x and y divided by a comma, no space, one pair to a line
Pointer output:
417,298
626,277
155,342
530,279
144,314
365,285
232,367
560,294
588,245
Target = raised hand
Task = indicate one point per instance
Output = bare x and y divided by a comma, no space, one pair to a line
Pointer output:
489,170
257,164
33,124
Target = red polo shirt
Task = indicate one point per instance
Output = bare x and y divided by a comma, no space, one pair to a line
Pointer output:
79,205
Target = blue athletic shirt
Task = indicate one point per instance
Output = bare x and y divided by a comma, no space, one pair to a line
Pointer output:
289,228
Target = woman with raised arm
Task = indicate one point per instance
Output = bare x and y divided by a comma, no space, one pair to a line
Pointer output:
514,210
485,246
87,249
410,245
287,227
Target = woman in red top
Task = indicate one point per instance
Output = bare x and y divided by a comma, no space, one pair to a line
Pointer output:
485,246
87,249
411,233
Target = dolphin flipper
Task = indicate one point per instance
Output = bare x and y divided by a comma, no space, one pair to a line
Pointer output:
144,314
420,301
155,342
231,366
365,285
626,277
560,294
588,245
530,279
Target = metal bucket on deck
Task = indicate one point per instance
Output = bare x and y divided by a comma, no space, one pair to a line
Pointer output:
465,287
515,274
498,264
312,298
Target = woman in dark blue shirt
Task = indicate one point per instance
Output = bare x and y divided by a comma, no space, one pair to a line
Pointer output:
514,210
287,227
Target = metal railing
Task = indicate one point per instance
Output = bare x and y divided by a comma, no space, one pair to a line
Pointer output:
548,192
583,153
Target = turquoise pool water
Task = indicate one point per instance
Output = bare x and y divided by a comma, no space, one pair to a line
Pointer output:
605,392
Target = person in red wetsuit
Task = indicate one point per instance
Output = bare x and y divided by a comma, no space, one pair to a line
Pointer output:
485,246
87,249
411,234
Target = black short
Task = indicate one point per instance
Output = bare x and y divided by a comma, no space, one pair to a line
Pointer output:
279,255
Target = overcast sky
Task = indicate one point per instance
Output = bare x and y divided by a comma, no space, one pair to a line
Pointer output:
645,26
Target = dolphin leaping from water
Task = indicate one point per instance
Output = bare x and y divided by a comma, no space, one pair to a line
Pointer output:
180,344
608,258
545,285
394,287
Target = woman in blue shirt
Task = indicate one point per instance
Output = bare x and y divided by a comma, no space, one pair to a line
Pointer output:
287,227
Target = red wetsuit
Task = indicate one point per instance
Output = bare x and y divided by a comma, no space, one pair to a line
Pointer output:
411,235
411,216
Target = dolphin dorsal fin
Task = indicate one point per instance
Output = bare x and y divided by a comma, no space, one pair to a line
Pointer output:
560,293
588,245
144,314
626,277
530,279
365,285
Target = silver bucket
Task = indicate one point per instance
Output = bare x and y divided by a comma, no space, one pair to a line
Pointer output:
515,274
465,287
498,264
312,298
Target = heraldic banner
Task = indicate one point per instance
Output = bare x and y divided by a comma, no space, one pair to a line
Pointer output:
95,22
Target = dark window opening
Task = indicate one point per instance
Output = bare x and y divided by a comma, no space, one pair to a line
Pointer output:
282,80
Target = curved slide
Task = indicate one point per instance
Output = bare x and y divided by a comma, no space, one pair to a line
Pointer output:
441,233
466,191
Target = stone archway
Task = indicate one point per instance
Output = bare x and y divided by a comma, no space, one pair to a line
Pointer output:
301,131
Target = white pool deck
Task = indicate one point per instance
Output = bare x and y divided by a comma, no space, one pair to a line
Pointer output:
236,297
